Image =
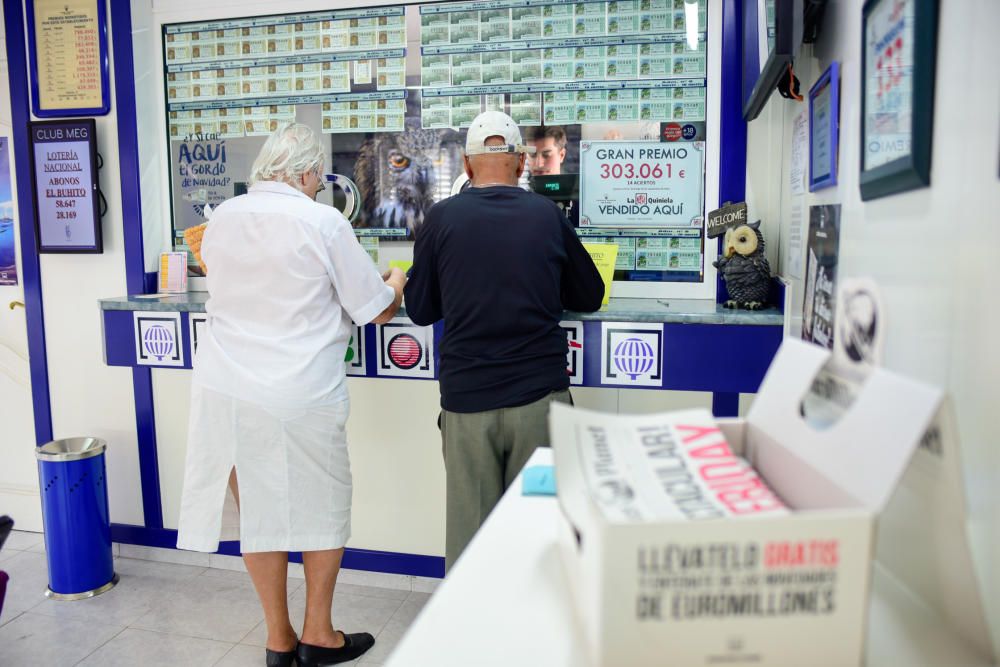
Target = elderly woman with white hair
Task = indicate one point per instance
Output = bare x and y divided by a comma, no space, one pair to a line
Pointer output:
269,402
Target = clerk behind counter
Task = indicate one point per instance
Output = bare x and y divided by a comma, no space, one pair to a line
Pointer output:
547,178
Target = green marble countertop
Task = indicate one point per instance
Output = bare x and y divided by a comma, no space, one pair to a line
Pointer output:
685,311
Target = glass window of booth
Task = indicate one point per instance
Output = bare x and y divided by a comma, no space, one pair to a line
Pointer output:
612,95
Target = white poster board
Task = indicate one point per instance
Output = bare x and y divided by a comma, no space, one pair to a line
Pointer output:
642,184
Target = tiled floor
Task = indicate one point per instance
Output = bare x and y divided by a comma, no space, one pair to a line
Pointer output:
172,614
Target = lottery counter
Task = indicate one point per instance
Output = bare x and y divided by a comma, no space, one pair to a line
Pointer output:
680,345
633,109
688,347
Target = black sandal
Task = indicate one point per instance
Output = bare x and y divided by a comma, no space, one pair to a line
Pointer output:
279,658
354,646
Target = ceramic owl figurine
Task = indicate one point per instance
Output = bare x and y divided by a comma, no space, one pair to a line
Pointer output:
744,267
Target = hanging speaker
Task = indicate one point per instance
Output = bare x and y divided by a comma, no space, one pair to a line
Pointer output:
346,196
461,183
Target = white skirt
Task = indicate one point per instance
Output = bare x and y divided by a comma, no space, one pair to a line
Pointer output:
292,469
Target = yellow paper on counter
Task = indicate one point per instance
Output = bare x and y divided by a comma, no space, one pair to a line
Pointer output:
401,264
604,256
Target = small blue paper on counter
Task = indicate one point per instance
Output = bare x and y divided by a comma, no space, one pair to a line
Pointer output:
539,481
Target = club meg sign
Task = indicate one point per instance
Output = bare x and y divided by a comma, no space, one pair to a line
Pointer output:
64,185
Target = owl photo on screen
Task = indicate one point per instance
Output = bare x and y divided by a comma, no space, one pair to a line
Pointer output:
400,174
744,267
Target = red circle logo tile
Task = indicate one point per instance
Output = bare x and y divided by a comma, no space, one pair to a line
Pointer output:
405,351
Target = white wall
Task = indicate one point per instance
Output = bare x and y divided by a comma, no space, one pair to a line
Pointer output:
148,91
929,250
13,335
88,397
395,445
18,478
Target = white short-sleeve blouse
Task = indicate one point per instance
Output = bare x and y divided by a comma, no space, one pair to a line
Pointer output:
286,276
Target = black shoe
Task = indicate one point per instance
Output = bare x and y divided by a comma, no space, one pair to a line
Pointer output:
279,658
320,656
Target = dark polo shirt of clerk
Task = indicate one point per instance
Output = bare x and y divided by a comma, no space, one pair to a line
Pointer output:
499,265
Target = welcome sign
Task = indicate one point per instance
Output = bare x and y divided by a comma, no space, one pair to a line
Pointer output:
727,217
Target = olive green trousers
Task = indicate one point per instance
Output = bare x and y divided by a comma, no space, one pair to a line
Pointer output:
483,453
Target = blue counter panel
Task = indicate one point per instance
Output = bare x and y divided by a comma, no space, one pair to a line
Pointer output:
727,358
120,348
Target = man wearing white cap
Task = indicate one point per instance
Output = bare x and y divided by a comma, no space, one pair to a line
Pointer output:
499,264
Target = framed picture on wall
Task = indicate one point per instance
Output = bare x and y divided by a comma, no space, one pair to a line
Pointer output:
824,122
68,50
898,55
822,256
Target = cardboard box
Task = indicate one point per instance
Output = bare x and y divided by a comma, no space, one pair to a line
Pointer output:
786,590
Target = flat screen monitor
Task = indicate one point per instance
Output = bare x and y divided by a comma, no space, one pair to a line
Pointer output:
559,187
772,34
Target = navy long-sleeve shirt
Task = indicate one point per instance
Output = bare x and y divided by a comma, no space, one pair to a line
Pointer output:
499,265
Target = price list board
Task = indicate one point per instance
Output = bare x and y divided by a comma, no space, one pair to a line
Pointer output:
243,77
562,62
69,57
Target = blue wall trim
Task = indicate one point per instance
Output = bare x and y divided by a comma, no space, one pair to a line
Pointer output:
750,50
354,559
31,275
733,129
135,270
128,147
149,466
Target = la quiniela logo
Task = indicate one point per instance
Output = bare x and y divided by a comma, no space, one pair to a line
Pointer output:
634,357
158,341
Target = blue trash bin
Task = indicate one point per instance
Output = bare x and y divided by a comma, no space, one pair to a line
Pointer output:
75,518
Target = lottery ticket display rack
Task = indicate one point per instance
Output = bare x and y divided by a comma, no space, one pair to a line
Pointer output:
611,74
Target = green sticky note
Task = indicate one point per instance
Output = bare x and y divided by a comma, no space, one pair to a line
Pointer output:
401,264
604,256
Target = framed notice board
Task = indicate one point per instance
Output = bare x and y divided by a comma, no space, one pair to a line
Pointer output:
64,186
68,49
